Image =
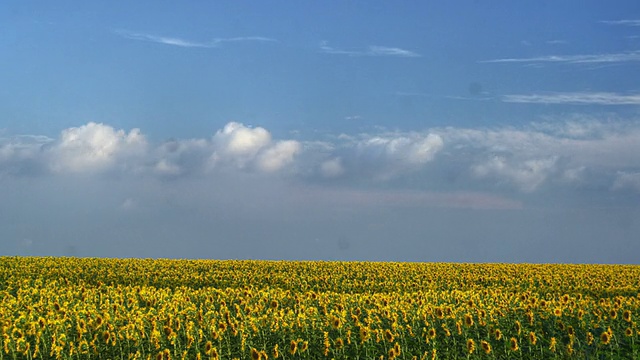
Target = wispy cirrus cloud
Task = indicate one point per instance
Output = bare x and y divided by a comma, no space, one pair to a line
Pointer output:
575,98
621,22
175,41
372,50
631,56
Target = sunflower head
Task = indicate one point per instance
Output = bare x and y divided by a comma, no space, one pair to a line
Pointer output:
486,347
471,346
293,347
513,344
388,335
255,354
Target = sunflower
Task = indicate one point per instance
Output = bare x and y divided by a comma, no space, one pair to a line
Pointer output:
304,346
590,338
468,320
336,323
392,353
532,338
364,334
628,332
513,344
293,347
255,354
626,315
485,346
471,346
432,333
613,314
605,338
497,334
439,313
388,335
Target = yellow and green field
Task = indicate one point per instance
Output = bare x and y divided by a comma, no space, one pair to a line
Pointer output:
69,308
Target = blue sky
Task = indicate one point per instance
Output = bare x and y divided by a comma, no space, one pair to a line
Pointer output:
418,131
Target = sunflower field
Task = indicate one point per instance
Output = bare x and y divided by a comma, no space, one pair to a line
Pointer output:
76,308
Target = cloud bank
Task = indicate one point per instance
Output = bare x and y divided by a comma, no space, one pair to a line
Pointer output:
576,151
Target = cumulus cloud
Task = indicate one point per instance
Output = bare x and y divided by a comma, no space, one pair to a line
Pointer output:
95,147
278,156
386,156
21,155
575,150
245,147
561,153
181,157
526,175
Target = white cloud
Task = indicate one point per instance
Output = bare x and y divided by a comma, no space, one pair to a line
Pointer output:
387,156
95,147
576,98
19,148
390,51
166,40
558,153
278,156
527,175
557,42
621,22
238,144
174,41
181,157
630,56
372,50
574,150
